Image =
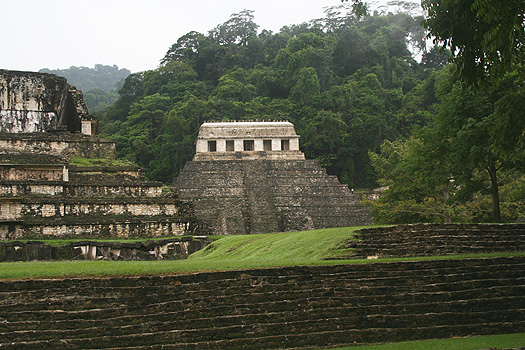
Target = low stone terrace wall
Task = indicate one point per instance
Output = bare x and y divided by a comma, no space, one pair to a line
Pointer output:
58,143
112,227
280,308
169,249
53,188
78,206
439,239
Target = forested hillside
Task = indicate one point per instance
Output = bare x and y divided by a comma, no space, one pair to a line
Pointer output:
100,84
363,106
346,84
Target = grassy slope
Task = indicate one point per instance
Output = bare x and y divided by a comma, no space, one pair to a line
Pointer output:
226,253
294,247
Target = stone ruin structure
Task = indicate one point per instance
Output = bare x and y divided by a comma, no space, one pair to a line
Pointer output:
37,102
44,124
251,177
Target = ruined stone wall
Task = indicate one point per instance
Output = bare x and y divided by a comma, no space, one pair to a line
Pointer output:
262,196
58,144
30,102
39,102
24,172
52,207
96,228
167,249
25,188
44,123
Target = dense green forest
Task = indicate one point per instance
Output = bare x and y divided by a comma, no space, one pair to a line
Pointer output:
99,85
343,82
364,107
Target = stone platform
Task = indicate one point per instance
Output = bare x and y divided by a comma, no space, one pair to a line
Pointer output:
267,195
281,308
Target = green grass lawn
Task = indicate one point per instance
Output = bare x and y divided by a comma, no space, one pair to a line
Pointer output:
224,253
470,343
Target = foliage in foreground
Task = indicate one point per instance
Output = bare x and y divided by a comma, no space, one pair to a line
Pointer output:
456,166
452,169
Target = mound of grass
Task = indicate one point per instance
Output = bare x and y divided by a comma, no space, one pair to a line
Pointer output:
287,247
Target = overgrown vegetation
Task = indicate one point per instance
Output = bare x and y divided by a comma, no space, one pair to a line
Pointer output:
340,80
99,162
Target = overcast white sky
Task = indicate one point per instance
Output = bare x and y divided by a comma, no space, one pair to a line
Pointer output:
132,34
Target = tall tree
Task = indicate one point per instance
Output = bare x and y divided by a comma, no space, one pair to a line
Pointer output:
239,29
486,36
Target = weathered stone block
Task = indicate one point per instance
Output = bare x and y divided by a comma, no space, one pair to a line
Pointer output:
264,195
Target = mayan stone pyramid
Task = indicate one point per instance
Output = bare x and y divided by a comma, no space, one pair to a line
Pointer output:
251,177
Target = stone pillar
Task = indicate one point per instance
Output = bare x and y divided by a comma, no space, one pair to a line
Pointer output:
221,145
258,145
239,146
201,146
294,144
65,174
276,144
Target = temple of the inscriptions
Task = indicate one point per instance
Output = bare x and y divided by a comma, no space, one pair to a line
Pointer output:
249,140
251,177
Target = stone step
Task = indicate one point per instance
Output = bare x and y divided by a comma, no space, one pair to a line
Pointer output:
165,302
226,286
320,319
444,239
434,239
299,335
356,273
435,248
438,234
422,244
347,301
251,313
337,338
283,191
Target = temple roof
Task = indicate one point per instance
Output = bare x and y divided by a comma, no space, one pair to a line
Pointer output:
245,130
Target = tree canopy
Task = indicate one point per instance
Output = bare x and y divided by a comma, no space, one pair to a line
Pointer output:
99,84
363,106
340,80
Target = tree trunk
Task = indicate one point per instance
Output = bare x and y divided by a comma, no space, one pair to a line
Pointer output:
446,195
494,190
